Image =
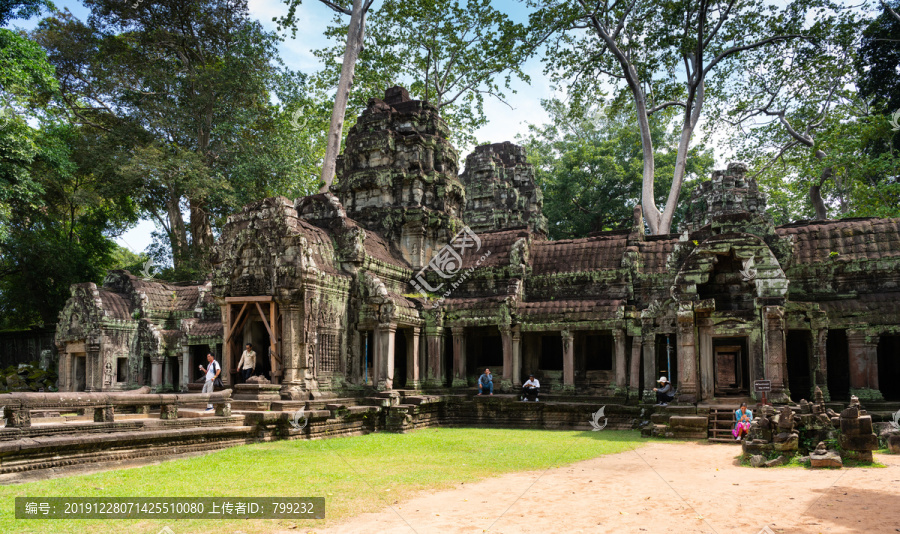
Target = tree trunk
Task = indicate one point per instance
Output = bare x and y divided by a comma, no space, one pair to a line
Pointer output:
177,231
201,233
355,35
815,191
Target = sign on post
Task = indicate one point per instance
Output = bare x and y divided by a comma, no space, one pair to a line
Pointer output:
763,386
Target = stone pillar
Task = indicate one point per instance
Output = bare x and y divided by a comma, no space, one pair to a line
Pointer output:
687,385
568,360
93,372
819,371
634,376
434,357
184,362
506,340
649,346
459,357
384,341
775,356
516,343
156,372
621,365
65,370
413,380
293,348
862,349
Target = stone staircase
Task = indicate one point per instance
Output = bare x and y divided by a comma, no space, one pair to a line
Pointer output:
721,421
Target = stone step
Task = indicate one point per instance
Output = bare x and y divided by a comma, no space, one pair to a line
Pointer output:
730,441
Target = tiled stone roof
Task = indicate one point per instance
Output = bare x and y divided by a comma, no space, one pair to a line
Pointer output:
597,253
852,239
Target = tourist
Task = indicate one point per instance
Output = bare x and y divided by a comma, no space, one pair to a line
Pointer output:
742,418
664,393
247,364
530,389
212,373
486,382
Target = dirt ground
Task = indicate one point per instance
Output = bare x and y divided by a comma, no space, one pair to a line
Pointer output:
665,488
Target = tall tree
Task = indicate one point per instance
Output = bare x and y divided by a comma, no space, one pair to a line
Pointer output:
588,164
804,92
660,56
356,33
450,53
188,84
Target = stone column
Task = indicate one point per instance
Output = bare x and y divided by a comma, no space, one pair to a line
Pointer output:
184,363
516,343
568,360
634,376
775,357
819,371
649,345
64,369
687,385
459,357
93,373
434,357
293,348
385,342
621,365
862,348
413,380
156,372
506,340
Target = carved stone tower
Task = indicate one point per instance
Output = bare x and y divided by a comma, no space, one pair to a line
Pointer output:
500,190
398,175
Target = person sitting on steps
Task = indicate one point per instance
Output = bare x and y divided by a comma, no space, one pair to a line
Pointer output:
486,382
664,393
742,418
531,389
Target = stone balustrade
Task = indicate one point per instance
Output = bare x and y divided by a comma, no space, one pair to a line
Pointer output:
17,407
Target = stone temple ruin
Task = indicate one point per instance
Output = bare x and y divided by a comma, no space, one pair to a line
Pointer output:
409,278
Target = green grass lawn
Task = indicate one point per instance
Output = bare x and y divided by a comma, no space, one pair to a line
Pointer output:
355,475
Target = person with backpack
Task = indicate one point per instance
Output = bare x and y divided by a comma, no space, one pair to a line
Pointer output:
212,373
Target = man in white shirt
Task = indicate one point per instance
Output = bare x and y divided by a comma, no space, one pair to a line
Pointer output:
247,363
530,389
212,371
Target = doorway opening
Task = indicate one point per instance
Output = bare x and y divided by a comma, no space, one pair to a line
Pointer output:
838,363
797,346
731,366
889,367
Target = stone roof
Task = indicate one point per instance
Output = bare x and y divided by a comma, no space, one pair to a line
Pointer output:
602,252
851,239
115,306
499,243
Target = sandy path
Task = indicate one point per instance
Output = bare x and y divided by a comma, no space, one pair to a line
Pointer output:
665,487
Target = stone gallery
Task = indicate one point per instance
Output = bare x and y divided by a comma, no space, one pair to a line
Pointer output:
411,275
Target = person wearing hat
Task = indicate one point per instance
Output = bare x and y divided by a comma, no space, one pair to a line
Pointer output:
664,393
530,389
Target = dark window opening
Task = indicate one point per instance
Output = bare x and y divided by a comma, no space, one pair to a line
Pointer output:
551,353
889,367
599,352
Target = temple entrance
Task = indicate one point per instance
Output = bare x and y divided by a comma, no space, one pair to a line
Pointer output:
484,349
253,320
367,342
259,338
838,364
447,350
666,358
797,347
400,364
79,372
889,367
731,366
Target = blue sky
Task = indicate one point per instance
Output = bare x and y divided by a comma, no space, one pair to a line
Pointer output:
503,123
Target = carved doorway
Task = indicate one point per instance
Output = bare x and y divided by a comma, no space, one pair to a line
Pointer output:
262,318
731,366
79,372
